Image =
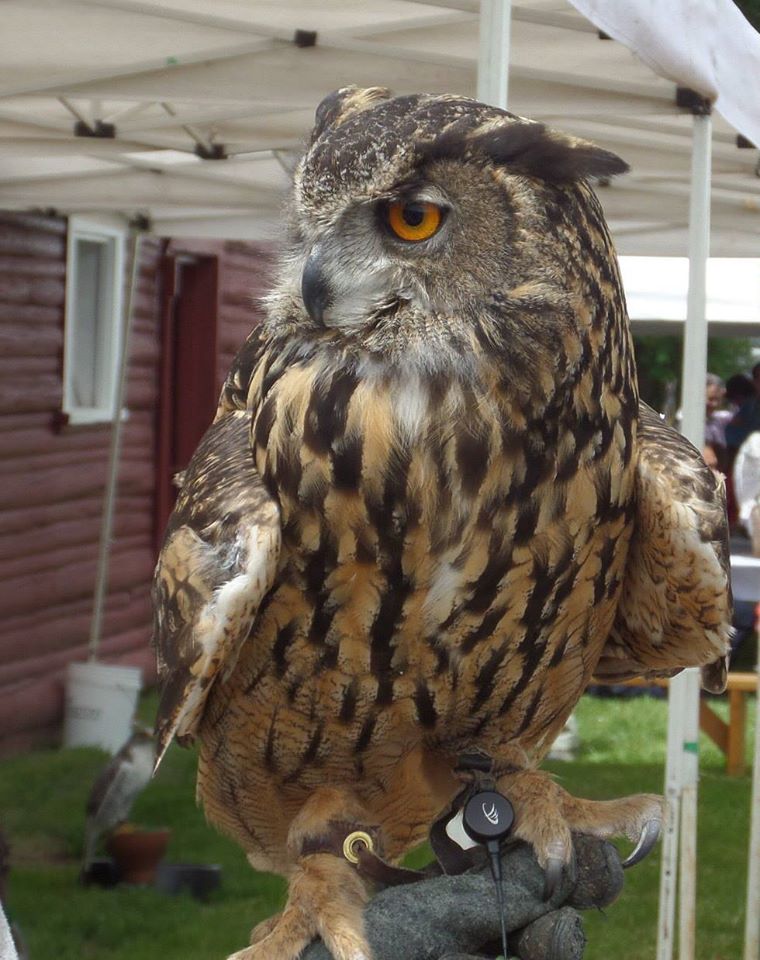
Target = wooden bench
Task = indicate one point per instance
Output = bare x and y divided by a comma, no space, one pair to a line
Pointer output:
729,737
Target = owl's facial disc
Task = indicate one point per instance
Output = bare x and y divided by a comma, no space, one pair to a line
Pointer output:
364,265
344,285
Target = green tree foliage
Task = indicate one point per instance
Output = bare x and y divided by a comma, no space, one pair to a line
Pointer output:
751,10
659,360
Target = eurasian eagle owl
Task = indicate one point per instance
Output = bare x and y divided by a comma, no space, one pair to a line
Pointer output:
430,508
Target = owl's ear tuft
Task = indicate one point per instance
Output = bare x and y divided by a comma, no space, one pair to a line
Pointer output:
528,148
531,148
340,104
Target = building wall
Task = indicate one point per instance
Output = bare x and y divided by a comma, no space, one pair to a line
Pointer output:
52,475
245,275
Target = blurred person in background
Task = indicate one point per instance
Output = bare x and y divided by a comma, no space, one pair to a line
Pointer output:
747,417
739,389
717,418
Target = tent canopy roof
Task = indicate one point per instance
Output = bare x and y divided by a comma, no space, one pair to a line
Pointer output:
167,80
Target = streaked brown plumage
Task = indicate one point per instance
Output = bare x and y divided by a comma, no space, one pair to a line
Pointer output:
428,550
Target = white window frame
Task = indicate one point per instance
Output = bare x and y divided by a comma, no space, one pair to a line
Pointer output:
110,308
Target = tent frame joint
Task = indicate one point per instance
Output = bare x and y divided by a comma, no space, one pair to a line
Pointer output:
211,151
305,38
141,223
694,102
99,129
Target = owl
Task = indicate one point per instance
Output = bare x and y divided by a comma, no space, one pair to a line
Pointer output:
430,508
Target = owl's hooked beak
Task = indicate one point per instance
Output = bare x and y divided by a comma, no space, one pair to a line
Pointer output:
314,288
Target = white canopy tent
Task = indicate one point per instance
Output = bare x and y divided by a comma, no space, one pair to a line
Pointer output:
160,79
190,115
656,292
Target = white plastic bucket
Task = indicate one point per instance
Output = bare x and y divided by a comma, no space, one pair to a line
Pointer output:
100,704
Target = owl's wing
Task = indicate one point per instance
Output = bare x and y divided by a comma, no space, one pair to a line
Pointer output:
218,562
676,606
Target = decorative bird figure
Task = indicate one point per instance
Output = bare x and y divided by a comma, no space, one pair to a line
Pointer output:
116,788
429,509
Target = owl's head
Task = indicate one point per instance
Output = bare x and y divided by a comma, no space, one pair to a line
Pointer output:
431,206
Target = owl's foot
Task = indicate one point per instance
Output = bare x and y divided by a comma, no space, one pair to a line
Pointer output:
545,816
264,928
326,899
326,896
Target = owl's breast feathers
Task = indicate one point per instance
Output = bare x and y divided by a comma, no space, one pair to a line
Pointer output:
444,538
354,538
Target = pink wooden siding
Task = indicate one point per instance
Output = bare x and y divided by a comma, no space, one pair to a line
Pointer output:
52,475
245,277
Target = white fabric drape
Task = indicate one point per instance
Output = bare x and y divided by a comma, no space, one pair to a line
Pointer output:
706,45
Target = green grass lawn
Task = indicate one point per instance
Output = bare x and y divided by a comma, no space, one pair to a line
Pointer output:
42,797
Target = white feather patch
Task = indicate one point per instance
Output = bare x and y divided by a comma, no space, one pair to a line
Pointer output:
411,407
444,589
226,620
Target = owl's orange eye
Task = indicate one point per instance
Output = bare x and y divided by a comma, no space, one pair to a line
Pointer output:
414,220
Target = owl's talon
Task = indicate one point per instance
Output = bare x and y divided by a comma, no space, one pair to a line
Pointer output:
650,834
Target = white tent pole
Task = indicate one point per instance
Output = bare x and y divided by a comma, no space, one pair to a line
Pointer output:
693,426
687,917
106,526
669,862
752,919
695,331
682,768
493,55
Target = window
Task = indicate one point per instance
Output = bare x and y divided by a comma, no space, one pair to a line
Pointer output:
94,280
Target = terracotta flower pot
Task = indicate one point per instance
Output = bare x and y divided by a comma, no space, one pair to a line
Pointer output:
137,853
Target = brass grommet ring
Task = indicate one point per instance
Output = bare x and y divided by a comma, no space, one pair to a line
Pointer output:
354,843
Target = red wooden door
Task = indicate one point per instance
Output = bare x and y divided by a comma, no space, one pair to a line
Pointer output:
188,388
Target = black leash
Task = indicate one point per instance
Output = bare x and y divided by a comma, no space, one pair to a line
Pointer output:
487,818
